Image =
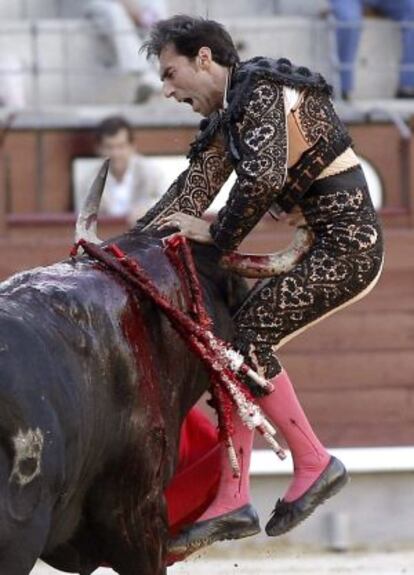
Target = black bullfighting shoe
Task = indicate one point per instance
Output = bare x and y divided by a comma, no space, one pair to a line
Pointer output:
287,514
242,522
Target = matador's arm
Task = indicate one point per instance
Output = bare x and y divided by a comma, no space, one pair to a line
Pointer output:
195,188
261,141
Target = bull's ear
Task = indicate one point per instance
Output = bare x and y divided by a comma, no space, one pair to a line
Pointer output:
86,224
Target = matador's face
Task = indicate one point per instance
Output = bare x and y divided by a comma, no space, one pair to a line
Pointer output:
198,81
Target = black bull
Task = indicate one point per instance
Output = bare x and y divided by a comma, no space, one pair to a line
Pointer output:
94,385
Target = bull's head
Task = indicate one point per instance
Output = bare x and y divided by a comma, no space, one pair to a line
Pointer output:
86,224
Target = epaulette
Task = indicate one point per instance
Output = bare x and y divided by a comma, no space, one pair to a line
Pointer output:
281,71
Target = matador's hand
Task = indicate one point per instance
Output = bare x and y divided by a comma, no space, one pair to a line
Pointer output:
192,228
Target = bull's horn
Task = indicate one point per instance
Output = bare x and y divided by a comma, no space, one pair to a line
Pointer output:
267,265
87,221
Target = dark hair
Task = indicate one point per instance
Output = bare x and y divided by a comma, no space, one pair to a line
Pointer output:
188,35
111,126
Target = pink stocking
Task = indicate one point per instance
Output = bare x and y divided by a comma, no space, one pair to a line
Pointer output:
309,456
233,492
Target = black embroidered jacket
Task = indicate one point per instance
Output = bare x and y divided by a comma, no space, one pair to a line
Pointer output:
251,136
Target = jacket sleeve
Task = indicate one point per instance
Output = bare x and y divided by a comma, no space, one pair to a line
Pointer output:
195,188
260,139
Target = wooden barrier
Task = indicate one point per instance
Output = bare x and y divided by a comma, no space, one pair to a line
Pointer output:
353,371
40,164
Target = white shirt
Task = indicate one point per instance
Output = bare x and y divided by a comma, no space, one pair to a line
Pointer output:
291,99
119,193
141,186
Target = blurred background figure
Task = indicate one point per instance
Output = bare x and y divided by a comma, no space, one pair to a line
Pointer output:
134,183
121,26
12,90
349,15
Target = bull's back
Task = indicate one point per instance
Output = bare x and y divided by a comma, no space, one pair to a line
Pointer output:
99,372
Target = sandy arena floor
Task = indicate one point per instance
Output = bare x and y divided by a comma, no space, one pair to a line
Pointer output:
294,563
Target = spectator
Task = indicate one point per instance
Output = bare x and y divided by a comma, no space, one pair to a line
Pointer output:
12,90
132,184
121,26
349,15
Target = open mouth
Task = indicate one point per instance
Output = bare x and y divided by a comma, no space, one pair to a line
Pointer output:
188,101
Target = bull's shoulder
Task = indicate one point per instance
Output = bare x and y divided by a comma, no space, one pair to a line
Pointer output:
69,283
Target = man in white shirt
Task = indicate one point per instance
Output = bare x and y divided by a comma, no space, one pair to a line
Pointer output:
133,182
